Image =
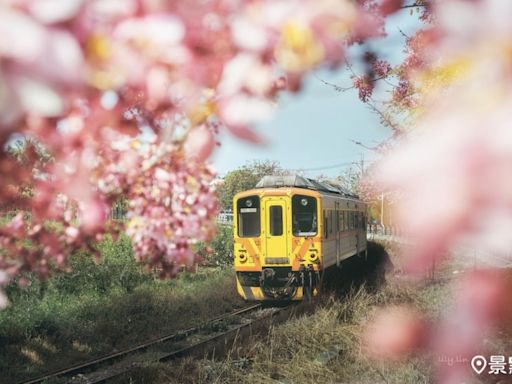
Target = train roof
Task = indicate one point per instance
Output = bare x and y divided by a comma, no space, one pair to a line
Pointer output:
297,181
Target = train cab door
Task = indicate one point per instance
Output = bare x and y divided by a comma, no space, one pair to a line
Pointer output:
276,227
337,234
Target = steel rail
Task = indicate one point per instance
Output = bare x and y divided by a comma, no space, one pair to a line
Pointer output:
214,345
139,347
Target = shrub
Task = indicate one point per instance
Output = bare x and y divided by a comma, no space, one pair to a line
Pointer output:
117,270
220,250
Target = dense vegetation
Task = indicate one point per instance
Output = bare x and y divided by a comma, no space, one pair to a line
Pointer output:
220,250
100,306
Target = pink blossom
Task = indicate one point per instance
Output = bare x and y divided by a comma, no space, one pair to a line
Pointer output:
381,68
53,11
388,7
4,279
151,32
243,110
4,302
453,169
200,144
365,87
394,332
248,35
481,303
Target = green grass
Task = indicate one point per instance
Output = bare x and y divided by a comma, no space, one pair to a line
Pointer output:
96,309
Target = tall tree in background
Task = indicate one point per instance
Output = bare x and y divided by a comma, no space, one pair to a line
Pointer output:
244,178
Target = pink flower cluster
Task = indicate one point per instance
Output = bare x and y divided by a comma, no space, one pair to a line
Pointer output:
365,86
453,172
171,203
96,83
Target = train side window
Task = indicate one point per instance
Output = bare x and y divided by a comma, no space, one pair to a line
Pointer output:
331,221
248,216
326,225
351,220
276,220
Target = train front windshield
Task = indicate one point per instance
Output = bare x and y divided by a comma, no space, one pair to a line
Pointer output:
248,211
304,215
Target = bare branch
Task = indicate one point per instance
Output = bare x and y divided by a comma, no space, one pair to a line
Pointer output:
361,144
336,87
425,5
384,117
403,33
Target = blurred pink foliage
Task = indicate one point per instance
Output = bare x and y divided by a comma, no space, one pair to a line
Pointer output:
453,166
452,170
126,97
394,332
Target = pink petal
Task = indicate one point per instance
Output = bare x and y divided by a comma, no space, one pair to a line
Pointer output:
160,30
244,110
22,38
248,35
394,332
200,143
3,301
38,97
246,133
54,11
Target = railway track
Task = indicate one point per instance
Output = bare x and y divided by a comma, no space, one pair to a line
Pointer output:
213,337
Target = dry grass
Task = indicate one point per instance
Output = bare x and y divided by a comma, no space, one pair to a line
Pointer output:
324,347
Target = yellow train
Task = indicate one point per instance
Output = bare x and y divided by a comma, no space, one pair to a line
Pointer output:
288,230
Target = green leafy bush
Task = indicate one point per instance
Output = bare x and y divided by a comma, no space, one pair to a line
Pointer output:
116,270
220,250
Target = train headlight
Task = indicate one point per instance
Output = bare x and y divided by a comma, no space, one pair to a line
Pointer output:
248,203
242,257
303,202
313,257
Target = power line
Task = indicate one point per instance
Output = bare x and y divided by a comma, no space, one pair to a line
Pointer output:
325,167
338,165
360,164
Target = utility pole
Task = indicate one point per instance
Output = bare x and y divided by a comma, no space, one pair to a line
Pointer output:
382,210
360,164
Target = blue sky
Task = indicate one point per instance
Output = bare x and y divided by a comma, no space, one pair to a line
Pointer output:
315,128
